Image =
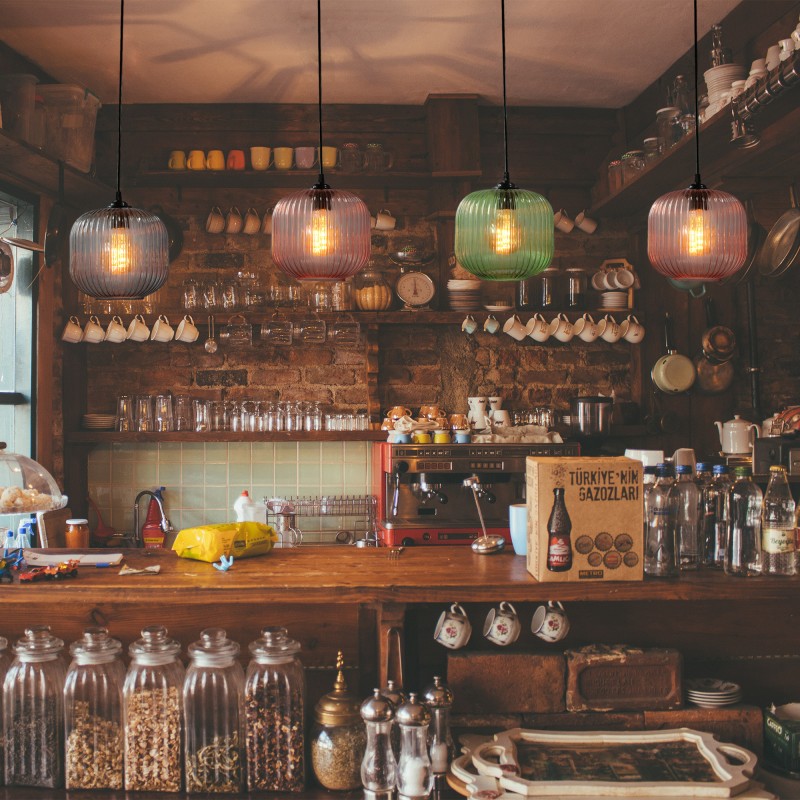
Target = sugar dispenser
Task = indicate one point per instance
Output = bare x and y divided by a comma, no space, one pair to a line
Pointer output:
414,773
439,700
379,768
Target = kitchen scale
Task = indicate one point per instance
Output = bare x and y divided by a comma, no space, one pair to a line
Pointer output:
414,288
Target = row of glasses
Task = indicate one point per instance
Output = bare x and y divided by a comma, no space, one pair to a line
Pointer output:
310,330
159,413
542,416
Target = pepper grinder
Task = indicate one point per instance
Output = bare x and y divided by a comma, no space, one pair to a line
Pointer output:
394,694
414,773
439,700
379,768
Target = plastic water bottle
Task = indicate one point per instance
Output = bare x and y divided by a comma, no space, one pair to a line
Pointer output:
688,522
777,526
648,483
660,548
743,549
716,513
243,507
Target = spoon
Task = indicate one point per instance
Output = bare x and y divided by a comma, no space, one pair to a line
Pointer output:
211,342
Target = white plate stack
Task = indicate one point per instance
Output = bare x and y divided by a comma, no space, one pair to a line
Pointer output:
613,301
712,692
464,295
98,422
718,83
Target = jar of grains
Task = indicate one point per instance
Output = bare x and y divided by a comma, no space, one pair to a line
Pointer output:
153,713
93,712
274,698
338,739
212,703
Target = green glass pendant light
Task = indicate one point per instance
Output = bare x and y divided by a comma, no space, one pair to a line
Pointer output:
504,233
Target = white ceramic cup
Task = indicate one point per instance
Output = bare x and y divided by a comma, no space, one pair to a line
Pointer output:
162,331
632,330
72,331
518,527
584,223
501,418
600,282
561,328
514,328
495,403
758,65
215,221
115,332
586,329
786,48
305,157
773,58
93,332
453,628
550,622
491,325
252,222
260,158
187,331
622,279
502,625
612,330
563,222
538,328
384,221
233,221
138,330
469,325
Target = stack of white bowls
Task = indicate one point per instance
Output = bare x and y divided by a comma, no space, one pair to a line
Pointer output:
464,295
718,82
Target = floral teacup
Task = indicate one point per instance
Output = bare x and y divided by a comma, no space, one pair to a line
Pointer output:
453,628
502,625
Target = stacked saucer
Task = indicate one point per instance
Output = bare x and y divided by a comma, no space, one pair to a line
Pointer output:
464,295
98,422
712,692
613,301
719,80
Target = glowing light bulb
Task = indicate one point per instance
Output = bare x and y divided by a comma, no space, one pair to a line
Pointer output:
697,239
321,240
506,232
119,251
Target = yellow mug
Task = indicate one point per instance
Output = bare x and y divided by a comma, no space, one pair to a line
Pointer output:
260,158
215,160
196,160
441,437
421,437
283,157
330,155
177,160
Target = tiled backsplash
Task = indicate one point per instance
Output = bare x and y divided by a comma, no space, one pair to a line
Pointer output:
203,480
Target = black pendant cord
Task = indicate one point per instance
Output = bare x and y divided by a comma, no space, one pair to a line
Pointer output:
321,178
118,203
506,184
698,183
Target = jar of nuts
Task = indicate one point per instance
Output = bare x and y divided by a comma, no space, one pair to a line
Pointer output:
274,697
93,712
153,713
371,290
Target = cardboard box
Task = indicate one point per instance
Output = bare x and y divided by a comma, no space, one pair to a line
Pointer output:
782,737
603,498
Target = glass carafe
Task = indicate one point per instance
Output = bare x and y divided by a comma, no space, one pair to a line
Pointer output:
33,711
274,699
212,707
153,713
93,712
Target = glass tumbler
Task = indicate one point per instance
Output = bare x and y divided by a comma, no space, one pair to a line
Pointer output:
191,295
351,159
200,415
182,412
216,415
144,413
163,414
124,413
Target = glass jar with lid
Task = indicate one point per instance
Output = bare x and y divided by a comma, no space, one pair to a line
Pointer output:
371,289
632,164
274,699
33,711
338,738
93,712
668,122
26,486
351,159
76,533
652,150
153,713
550,289
212,709
577,284
5,661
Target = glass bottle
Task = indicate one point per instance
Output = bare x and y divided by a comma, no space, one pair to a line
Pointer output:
648,481
33,711
688,523
212,708
414,773
274,699
721,492
777,529
153,713
439,699
379,768
338,738
394,693
559,528
93,712
706,519
743,547
660,547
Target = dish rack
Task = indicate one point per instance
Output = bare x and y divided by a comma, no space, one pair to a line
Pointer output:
348,519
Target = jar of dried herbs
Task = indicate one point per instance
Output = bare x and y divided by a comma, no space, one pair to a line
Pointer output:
338,739
33,720
93,712
153,713
212,708
274,697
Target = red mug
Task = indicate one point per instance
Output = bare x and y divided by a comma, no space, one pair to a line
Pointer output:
235,159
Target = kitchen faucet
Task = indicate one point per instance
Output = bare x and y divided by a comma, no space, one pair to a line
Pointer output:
166,526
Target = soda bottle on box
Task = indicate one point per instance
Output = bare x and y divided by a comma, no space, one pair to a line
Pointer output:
559,528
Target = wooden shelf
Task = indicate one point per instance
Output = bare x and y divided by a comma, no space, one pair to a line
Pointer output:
28,167
106,437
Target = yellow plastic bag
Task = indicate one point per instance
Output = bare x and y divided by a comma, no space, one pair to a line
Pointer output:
237,539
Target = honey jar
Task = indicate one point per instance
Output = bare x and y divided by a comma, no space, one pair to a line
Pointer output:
76,533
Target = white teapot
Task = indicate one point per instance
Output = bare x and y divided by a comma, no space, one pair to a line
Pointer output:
734,435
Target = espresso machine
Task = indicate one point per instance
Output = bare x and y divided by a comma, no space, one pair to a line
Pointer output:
422,499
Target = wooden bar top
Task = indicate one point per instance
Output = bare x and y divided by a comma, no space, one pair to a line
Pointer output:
344,574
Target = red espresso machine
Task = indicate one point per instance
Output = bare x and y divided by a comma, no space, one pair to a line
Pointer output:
421,495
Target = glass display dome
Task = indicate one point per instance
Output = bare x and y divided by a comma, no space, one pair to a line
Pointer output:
26,486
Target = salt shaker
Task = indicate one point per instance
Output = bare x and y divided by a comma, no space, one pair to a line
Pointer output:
414,773
379,768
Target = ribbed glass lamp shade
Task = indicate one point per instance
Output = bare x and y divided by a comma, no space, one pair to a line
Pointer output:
697,235
321,234
504,234
118,253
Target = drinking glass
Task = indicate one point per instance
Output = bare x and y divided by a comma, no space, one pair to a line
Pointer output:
345,333
229,295
124,413
211,295
277,331
216,415
144,413
312,417
182,412
248,412
312,330
163,415
200,415
191,295
231,412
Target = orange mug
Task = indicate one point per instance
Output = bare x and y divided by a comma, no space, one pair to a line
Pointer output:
235,159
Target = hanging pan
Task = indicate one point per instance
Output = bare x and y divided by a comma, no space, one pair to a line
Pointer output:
782,246
756,236
713,378
673,373
718,341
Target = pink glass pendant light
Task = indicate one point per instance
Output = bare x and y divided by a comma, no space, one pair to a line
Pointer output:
697,234
118,252
320,234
